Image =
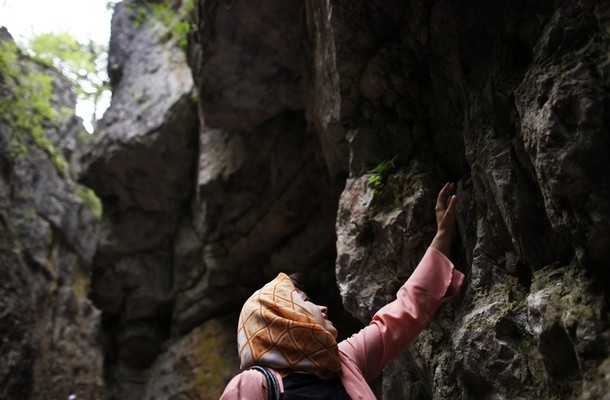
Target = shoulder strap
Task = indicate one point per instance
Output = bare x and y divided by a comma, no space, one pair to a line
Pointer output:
273,386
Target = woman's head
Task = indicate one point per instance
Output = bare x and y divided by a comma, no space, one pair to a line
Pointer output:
281,329
320,313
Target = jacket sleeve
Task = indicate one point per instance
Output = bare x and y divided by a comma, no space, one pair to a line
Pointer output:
397,324
248,385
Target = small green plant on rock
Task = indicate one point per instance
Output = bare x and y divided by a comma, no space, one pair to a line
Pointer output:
176,22
380,173
90,201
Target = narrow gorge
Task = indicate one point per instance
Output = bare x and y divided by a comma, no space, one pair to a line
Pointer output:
313,136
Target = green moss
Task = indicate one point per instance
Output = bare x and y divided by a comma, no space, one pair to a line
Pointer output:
26,214
177,23
26,107
90,201
81,282
195,96
213,366
528,351
45,144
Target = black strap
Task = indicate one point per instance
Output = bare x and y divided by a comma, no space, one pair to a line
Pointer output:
273,386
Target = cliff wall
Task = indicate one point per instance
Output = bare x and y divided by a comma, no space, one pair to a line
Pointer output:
299,106
49,329
313,136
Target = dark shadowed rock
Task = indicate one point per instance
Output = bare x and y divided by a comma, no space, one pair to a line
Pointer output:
248,80
142,165
254,210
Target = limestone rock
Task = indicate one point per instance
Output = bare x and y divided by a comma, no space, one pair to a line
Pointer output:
48,326
274,169
198,365
142,167
253,215
248,80
17,323
521,129
378,249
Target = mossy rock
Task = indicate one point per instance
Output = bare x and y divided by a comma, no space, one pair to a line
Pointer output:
198,365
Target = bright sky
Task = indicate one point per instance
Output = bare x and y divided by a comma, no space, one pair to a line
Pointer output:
84,19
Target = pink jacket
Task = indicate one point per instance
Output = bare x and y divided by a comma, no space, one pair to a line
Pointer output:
365,354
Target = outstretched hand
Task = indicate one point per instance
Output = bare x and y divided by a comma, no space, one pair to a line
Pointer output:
445,219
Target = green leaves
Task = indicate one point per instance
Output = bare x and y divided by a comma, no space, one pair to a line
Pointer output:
176,22
110,4
82,63
8,59
379,174
26,107
63,51
90,201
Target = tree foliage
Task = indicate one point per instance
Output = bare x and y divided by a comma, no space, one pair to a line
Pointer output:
83,63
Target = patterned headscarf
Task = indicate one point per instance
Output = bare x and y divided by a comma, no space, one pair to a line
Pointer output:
276,330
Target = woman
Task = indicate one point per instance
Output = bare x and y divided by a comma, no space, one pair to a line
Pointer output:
291,337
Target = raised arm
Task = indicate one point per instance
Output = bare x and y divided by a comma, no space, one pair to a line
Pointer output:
397,324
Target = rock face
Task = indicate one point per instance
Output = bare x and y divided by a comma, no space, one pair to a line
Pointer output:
197,364
319,138
197,217
509,100
142,165
48,233
500,98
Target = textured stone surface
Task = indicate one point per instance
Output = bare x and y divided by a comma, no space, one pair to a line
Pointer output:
198,365
246,80
17,322
510,101
49,329
299,103
254,215
383,245
142,166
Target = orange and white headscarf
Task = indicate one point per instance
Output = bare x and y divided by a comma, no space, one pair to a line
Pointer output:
276,330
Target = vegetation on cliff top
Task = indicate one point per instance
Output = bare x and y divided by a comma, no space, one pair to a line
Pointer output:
175,21
26,104
84,64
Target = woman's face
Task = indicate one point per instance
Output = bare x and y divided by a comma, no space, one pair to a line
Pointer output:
319,314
